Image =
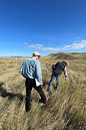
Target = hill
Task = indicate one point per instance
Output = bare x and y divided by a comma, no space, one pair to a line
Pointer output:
67,56
66,108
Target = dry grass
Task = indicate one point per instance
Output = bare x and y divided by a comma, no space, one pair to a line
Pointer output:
66,108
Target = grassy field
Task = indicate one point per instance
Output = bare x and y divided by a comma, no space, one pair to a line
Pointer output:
66,108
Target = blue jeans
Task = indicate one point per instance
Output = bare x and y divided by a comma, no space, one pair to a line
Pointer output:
52,78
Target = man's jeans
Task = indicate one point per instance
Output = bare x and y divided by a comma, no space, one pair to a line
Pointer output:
52,78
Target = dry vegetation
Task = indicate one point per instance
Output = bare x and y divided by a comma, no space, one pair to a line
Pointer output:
66,108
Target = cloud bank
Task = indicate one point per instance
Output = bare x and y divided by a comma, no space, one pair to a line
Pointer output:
73,46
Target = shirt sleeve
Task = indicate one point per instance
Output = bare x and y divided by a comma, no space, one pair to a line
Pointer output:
21,69
38,72
65,72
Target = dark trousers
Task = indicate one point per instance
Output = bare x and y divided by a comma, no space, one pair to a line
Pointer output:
29,84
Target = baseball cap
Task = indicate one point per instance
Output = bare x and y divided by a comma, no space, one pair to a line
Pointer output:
36,54
65,61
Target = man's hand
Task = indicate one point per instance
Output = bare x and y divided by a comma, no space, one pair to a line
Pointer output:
41,83
66,78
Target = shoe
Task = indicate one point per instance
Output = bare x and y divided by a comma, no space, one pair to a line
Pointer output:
48,89
47,98
28,110
40,101
55,88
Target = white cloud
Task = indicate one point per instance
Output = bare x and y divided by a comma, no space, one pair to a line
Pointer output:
73,46
26,43
50,49
41,47
36,46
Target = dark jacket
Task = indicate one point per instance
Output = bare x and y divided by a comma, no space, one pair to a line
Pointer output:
59,68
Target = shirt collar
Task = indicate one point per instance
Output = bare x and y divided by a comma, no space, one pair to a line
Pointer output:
33,58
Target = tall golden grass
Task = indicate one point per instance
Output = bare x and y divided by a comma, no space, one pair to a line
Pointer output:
66,108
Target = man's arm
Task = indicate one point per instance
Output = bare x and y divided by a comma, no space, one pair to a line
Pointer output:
65,73
38,72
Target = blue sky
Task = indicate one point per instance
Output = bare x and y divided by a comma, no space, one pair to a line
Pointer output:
46,26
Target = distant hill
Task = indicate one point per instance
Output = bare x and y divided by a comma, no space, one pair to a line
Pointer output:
15,57
19,57
67,56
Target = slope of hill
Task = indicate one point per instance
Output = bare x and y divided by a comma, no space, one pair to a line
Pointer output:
68,56
66,108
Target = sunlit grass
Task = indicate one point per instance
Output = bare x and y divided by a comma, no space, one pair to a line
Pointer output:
66,108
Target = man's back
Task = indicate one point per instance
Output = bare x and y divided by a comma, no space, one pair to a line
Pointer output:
59,67
31,69
28,68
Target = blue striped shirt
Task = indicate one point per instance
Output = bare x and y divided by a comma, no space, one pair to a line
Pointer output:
31,69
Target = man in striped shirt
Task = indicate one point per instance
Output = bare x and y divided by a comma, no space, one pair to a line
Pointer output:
31,70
